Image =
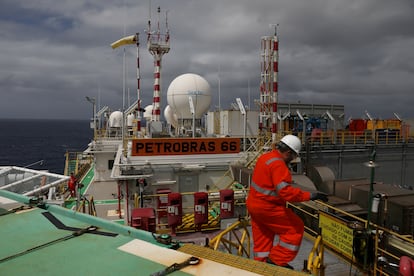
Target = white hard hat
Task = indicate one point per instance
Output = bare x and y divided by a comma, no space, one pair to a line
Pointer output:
293,142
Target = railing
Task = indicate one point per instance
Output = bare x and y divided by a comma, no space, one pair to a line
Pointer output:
236,237
78,163
84,202
314,264
382,258
346,137
386,239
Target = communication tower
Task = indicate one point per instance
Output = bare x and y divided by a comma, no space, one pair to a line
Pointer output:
269,85
158,44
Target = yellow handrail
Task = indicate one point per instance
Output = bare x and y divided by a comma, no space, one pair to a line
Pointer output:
315,258
242,244
91,206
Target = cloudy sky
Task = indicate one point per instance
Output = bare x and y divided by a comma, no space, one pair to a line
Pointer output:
359,53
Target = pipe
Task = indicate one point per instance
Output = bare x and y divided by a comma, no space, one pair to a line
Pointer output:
138,134
275,69
119,201
127,202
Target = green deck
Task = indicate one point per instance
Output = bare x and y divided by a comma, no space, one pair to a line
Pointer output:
86,254
41,240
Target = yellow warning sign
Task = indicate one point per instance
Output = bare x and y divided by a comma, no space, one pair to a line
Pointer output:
336,234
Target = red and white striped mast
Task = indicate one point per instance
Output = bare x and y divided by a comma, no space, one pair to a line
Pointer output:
269,84
275,71
158,45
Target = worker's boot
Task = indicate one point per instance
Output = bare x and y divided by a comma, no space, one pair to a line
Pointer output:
269,261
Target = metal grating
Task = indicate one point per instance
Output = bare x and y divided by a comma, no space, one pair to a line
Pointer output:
236,261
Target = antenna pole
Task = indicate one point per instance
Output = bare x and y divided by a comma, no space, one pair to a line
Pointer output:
158,45
269,84
138,89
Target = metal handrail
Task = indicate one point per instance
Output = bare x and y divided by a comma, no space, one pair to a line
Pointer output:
403,243
91,206
315,263
242,244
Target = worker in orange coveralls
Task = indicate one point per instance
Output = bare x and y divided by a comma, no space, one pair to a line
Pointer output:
270,190
72,185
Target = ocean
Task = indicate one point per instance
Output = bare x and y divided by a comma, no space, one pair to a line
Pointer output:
27,141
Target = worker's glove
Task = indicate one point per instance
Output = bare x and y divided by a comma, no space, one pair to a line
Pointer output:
319,196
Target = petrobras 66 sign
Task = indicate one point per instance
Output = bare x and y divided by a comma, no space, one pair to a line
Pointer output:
184,146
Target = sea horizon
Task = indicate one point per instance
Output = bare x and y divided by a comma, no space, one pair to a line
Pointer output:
29,141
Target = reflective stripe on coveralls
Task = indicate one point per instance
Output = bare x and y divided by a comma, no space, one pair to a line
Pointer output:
279,186
282,244
264,191
261,254
271,160
289,246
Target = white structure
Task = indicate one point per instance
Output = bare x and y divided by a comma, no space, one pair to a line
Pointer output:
170,116
230,123
148,112
185,86
115,119
130,120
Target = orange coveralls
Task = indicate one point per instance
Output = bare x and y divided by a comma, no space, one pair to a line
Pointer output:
72,185
266,203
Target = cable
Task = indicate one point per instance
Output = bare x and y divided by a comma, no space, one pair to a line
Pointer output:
74,234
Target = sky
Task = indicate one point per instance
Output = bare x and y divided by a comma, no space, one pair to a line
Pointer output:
356,53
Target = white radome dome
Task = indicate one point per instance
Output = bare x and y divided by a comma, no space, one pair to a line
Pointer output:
170,116
115,119
148,112
184,86
130,120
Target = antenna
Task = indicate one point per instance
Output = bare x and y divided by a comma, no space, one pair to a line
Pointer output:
243,113
329,115
241,107
158,44
149,10
149,18
158,23
269,84
275,26
397,116
300,115
368,115
166,21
